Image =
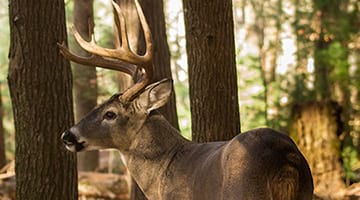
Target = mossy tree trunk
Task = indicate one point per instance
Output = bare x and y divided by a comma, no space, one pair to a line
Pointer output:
2,135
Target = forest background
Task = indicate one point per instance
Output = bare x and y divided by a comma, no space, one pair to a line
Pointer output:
297,66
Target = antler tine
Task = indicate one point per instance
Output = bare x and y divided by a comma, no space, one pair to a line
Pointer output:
121,58
147,64
147,33
121,27
123,52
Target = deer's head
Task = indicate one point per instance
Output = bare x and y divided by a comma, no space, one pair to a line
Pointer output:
114,123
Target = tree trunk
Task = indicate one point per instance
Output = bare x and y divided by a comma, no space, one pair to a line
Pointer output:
212,69
161,63
132,28
322,70
315,128
259,26
325,16
40,88
2,135
154,13
85,84
301,92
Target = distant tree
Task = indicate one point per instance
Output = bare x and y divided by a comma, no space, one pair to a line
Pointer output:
2,134
325,31
302,29
132,26
133,29
154,14
315,128
85,82
212,69
40,87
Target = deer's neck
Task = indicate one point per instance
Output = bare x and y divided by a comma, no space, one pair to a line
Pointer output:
151,152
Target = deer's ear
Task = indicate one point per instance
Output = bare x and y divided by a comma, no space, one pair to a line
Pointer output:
156,95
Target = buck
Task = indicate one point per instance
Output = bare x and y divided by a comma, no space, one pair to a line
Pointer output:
261,164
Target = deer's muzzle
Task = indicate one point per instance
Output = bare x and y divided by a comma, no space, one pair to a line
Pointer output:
71,141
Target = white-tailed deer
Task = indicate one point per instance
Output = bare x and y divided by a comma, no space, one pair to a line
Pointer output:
261,164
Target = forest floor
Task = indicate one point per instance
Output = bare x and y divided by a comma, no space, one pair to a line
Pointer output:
105,186
91,185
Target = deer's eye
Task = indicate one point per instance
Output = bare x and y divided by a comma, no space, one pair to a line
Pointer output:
109,115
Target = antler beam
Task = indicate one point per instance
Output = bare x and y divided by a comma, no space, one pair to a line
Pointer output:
122,58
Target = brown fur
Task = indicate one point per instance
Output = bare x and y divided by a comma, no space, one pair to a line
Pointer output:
261,164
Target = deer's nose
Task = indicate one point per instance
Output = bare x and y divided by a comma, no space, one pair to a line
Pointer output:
68,138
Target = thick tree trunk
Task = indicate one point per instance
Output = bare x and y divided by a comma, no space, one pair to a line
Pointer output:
154,13
2,135
212,69
315,128
85,84
40,87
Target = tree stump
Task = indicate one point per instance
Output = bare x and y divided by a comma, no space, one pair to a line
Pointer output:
315,128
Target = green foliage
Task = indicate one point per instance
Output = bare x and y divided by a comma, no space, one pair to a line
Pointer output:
183,109
350,160
251,92
336,57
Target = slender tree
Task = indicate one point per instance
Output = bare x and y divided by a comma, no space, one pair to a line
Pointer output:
85,84
133,30
212,69
259,27
2,135
153,11
132,27
40,87
301,92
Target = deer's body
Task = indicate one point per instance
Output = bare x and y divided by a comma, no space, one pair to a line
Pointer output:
257,165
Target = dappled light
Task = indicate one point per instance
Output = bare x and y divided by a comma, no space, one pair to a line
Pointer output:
292,66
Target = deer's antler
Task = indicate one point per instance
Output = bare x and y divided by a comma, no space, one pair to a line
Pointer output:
121,58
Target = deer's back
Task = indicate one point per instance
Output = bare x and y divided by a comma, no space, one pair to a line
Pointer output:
265,164
259,164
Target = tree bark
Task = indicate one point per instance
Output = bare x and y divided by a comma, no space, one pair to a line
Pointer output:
2,135
259,26
85,82
212,69
325,15
40,88
132,27
315,128
154,13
